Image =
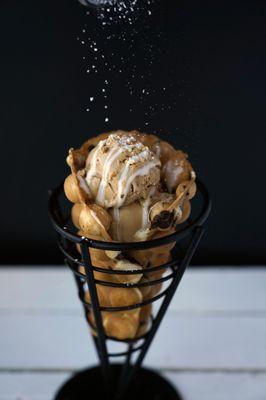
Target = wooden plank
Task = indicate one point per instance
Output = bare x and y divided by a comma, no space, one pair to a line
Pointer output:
43,341
37,288
192,386
62,341
209,342
213,325
202,290
219,386
222,289
30,386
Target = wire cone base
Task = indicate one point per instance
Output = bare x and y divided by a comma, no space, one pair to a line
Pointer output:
88,384
127,380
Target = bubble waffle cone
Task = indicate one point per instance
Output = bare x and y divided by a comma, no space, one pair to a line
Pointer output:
120,325
128,186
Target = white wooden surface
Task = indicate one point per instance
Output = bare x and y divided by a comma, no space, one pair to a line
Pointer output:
212,343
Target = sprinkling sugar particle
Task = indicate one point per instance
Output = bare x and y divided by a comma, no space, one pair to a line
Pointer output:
118,11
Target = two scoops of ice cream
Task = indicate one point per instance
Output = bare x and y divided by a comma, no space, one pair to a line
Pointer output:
128,186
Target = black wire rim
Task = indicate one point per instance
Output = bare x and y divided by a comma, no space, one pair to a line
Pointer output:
79,262
120,246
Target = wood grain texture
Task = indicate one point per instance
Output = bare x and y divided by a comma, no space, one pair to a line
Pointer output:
201,290
211,343
63,341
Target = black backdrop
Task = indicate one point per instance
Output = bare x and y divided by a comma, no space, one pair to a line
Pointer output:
214,55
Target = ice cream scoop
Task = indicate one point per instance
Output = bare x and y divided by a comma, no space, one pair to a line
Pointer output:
120,170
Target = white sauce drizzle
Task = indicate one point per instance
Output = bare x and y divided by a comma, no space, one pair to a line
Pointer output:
121,182
117,222
171,175
145,209
112,156
93,165
125,180
97,219
193,175
83,184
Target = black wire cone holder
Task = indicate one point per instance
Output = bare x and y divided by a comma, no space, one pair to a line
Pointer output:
186,239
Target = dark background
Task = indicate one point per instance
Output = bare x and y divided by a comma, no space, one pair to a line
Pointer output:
211,57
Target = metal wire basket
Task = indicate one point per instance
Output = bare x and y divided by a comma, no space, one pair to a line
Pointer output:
118,378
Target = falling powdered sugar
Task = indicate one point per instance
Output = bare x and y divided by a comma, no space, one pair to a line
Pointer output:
112,57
